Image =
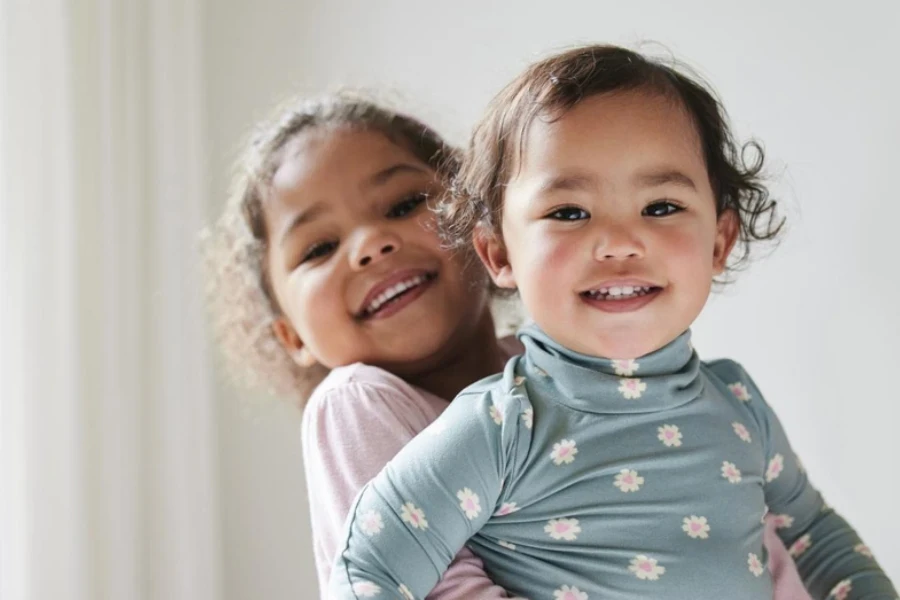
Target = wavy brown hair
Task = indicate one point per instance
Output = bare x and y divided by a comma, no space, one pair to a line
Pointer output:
551,87
241,304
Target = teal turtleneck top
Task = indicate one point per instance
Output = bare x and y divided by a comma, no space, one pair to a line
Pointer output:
580,478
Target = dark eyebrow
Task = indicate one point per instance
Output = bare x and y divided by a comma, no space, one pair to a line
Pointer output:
303,217
385,175
378,179
664,177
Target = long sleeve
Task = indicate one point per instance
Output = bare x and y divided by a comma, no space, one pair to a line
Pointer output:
350,432
832,560
410,521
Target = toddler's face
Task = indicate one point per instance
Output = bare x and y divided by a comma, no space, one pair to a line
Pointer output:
610,226
355,263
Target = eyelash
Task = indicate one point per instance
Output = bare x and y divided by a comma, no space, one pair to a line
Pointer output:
557,214
673,208
399,210
566,213
413,202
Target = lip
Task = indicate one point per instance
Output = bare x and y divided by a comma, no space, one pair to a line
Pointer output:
622,306
389,282
622,283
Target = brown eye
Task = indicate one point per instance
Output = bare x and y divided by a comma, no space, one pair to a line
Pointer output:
661,209
319,251
406,206
569,213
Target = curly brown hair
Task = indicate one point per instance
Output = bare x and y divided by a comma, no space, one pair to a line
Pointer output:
554,86
241,303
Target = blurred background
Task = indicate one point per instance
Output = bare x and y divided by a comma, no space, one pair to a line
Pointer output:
128,470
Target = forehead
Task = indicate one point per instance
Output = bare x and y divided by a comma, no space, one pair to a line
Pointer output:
332,157
621,128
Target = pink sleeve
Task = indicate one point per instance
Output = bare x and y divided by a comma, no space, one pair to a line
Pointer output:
349,434
786,581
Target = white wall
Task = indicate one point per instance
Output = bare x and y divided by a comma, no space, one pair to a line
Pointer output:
817,323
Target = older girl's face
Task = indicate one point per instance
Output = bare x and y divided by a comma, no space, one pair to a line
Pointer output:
355,262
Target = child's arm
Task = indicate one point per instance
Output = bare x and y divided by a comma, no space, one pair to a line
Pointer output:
829,555
349,434
431,498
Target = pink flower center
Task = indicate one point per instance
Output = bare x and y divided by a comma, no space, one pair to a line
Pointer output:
569,596
645,566
469,504
561,528
695,526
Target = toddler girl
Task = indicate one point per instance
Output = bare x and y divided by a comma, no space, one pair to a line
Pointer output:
608,461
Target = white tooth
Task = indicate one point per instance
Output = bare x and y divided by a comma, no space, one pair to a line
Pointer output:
615,291
627,290
604,290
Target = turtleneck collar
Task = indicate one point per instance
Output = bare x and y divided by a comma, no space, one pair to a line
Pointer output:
661,380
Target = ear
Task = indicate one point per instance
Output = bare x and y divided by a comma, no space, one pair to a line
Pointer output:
292,343
727,228
493,254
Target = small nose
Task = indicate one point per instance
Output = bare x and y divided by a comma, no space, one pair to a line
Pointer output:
386,249
372,246
618,243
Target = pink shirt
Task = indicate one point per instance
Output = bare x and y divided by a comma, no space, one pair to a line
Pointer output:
356,420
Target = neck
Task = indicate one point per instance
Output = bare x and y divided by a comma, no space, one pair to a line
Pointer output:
663,379
471,359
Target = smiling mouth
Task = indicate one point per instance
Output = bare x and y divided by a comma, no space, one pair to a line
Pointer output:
618,293
395,294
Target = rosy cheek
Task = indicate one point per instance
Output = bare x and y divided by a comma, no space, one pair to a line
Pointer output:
551,250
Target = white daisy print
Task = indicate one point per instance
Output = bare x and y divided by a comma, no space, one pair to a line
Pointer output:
564,452
628,480
632,388
625,368
507,545
370,522
414,516
563,529
776,466
783,521
569,593
741,431
507,508
740,391
864,550
366,589
645,567
800,546
842,590
528,418
731,472
696,527
669,435
755,565
406,592
496,415
469,502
